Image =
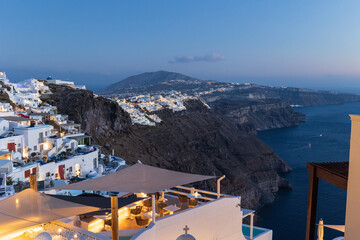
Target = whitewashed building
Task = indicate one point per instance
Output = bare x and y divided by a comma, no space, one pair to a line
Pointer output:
35,137
81,164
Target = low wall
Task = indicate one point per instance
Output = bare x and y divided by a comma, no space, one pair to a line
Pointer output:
219,219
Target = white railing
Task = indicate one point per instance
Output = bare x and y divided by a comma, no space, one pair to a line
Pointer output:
192,190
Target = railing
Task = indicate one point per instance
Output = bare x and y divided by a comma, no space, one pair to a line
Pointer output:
192,190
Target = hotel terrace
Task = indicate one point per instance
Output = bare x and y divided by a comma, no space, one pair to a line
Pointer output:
138,202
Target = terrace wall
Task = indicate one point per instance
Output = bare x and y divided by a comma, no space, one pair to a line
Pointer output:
219,219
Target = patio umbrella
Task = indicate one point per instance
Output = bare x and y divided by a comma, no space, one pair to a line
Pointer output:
29,208
136,178
320,232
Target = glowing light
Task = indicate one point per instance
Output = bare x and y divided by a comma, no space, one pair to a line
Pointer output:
143,195
59,230
17,201
46,146
37,229
75,236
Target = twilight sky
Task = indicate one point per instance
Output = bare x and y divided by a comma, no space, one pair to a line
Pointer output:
314,44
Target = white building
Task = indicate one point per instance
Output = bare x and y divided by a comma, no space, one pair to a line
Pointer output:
14,144
61,82
6,107
35,137
78,165
3,77
15,122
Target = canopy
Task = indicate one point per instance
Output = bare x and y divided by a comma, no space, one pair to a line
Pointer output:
97,201
29,208
137,178
340,228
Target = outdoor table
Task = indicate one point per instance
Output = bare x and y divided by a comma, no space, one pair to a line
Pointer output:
149,214
171,208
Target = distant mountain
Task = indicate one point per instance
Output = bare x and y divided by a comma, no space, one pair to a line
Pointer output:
160,81
149,79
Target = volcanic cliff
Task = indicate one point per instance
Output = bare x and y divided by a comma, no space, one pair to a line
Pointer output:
198,140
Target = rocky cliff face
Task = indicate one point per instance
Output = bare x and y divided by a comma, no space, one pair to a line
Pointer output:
198,140
256,114
294,96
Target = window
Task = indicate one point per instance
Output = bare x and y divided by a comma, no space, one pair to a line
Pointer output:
95,162
19,150
35,148
4,128
46,133
48,174
41,147
70,169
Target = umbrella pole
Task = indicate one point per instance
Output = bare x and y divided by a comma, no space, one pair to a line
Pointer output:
33,181
114,217
153,207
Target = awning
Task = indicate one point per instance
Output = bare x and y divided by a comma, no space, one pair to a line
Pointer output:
29,208
340,228
137,178
97,201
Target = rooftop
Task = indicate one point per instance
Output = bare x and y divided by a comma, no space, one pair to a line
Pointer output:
32,128
17,119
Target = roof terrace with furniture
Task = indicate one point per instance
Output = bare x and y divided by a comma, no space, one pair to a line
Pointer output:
163,201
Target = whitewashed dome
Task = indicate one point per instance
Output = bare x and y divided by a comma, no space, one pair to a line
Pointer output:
186,237
43,236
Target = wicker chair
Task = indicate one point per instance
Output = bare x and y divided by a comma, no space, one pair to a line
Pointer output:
157,196
182,200
193,202
147,203
161,209
142,222
136,211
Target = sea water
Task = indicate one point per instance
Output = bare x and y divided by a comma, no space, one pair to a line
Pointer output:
324,137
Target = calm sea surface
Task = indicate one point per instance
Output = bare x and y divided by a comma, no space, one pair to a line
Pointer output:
327,129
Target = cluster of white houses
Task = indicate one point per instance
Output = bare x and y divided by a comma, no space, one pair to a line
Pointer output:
34,138
141,107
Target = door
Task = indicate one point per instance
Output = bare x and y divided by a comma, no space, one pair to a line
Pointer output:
11,147
61,172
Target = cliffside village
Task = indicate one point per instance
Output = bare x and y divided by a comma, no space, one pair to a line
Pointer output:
141,108
35,138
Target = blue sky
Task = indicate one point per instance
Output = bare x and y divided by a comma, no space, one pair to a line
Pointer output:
311,44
